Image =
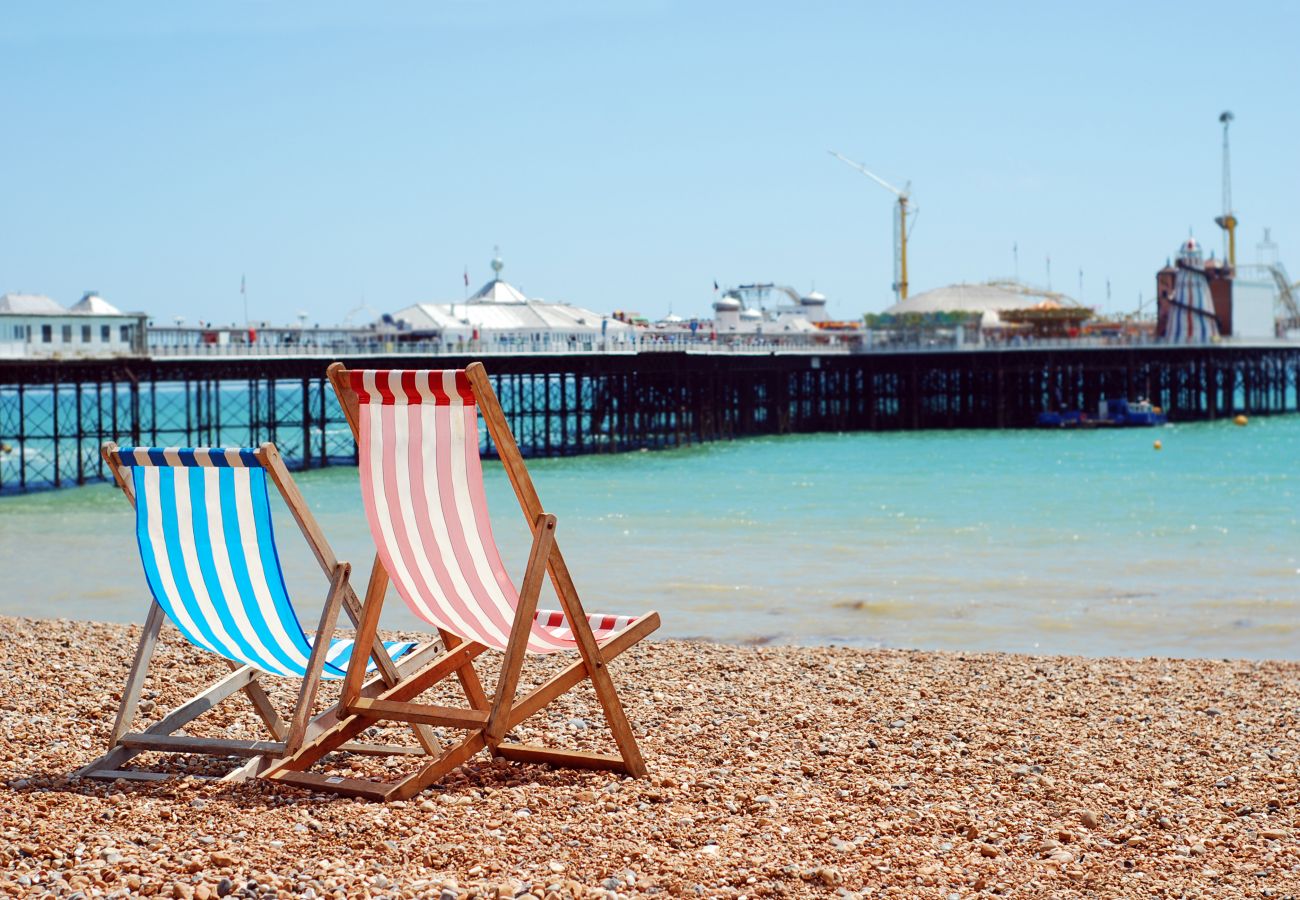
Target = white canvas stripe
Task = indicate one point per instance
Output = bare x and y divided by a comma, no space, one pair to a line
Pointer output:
340,648
152,478
226,577
429,585
383,517
539,641
481,628
204,607
256,574
464,505
340,652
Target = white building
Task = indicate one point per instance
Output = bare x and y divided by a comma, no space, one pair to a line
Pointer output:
35,326
499,315
1259,308
731,316
743,314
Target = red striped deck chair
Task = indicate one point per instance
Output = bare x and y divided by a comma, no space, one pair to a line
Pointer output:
422,483
207,544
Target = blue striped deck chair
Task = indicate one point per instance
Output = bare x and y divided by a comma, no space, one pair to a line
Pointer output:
207,544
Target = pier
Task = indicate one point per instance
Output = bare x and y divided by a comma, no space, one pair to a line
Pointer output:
55,414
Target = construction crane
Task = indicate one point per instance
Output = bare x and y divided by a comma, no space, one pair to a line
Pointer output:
1228,221
902,227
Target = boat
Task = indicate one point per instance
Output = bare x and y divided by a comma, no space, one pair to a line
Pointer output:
1110,414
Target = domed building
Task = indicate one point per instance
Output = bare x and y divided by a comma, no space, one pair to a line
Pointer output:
999,305
994,296
814,306
501,315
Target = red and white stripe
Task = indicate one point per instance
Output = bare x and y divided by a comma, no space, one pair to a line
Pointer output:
422,486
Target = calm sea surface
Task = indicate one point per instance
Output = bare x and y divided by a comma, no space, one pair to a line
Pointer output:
1086,542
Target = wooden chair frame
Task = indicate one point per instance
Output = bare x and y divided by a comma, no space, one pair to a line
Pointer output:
124,744
488,719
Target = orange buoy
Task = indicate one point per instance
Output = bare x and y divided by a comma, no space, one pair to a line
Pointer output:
1240,420
1157,445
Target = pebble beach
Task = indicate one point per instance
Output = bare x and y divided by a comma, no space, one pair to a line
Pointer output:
774,771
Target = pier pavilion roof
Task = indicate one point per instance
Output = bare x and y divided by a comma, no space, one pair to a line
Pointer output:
530,315
30,305
499,306
977,298
95,305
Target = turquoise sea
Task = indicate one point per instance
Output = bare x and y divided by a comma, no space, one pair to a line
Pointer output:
1058,542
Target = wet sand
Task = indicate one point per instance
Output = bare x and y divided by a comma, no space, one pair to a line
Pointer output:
775,771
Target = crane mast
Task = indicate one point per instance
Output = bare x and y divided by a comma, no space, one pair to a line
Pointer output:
901,235
1228,221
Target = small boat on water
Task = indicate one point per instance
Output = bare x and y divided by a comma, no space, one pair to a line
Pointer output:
1110,414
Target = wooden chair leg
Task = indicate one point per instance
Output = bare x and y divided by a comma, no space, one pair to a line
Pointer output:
521,628
367,633
466,674
135,677
263,706
597,670
316,662
376,586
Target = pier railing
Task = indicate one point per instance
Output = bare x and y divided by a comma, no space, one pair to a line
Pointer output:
649,344
867,343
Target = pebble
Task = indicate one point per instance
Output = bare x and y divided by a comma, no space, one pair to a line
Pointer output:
779,771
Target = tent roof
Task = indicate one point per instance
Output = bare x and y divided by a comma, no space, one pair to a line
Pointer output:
977,298
498,291
500,306
93,304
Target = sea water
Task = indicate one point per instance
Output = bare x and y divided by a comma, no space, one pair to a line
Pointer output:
1085,542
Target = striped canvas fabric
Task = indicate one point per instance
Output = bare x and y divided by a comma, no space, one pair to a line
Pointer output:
422,485
1192,319
1191,314
203,523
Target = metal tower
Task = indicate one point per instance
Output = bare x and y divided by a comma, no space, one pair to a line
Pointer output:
1228,221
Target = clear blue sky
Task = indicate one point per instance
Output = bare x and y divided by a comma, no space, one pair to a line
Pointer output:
626,155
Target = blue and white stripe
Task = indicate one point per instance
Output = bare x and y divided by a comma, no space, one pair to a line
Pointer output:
203,523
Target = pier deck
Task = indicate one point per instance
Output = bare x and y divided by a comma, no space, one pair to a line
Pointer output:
54,414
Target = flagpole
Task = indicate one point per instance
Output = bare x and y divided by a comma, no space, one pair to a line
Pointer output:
243,290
